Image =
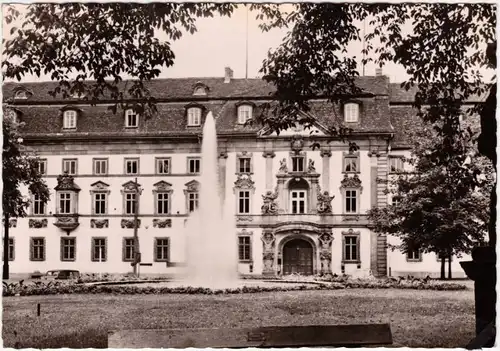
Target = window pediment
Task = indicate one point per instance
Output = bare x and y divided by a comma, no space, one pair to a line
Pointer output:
99,186
66,182
244,182
351,182
131,186
192,186
162,186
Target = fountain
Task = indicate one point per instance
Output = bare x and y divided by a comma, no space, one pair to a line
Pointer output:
211,230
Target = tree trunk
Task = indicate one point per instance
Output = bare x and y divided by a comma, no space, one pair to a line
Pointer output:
443,275
5,274
449,267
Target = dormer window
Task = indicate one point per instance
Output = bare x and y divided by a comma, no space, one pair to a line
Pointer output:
194,116
351,112
20,94
131,119
200,89
244,113
69,119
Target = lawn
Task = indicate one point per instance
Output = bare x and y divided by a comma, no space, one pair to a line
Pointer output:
418,318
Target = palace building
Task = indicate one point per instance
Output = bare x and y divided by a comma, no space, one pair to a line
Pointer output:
298,210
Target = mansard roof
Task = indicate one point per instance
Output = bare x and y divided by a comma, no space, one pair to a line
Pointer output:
182,88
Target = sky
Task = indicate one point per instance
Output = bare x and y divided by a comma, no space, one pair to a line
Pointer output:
221,42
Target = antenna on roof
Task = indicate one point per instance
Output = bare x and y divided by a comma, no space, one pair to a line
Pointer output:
246,48
364,44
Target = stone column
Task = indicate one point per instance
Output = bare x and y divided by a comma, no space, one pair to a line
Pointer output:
222,175
326,154
282,196
313,200
269,155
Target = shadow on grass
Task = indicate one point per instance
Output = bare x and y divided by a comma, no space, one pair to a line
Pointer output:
91,338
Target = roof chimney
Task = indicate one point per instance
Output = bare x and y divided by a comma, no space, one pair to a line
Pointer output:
378,71
228,74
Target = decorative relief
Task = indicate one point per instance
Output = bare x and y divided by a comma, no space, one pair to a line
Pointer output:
38,223
310,167
163,186
268,154
268,240
283,168
297,143
244,219
129,223
270,207
351,182
162,223
244,181
99,223
66,222
99,186
351,232
66,182
325,153
325,254
324,205
245,232
350,218
131,186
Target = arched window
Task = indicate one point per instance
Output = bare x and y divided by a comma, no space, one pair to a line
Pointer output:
194,116
69,119
351,112
200,90
244,113
131,119
20,94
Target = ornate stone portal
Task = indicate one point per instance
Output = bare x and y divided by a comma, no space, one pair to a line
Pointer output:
269,242
325,254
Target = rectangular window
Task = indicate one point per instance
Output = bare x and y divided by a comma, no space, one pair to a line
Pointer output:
100,202
162,200
395,201
69,166
194,165
396,164
413,255
244,248
68,249
298,201
130,203
38,205
128,249
192,201
162,166
42,166
131,166
131,120
194,116
298,163
351,247
351,201
99,249
100,166
37,249
244,165
161,249
351,164
69,120
65,203
244,202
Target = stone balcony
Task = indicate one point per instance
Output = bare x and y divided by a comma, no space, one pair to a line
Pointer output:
66,222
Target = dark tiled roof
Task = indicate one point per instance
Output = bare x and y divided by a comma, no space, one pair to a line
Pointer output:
182,88
401,95
403,119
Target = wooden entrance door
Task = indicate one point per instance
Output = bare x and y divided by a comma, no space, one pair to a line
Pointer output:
298,257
